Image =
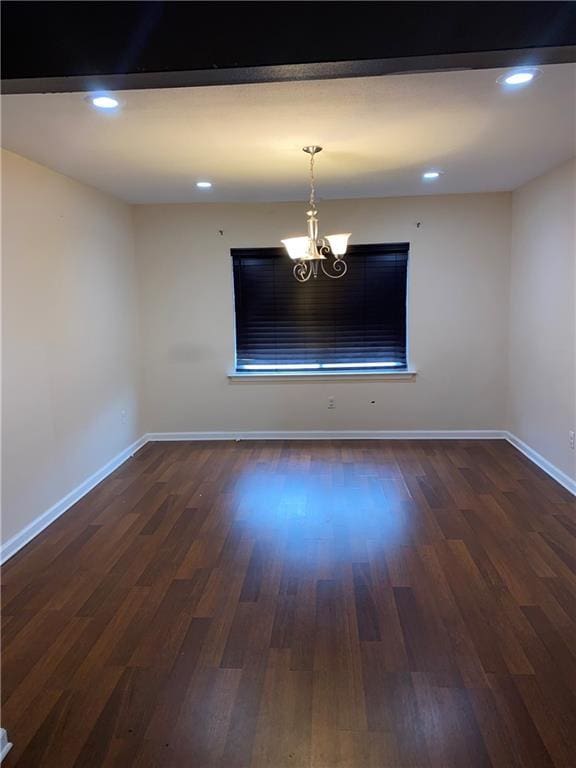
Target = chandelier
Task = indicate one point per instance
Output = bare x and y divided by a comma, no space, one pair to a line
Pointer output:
310,251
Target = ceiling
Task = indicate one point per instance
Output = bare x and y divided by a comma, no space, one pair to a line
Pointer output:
379,134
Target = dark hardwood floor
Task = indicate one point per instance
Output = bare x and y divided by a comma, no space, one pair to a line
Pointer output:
282,604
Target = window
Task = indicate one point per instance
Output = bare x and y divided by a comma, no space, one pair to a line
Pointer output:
356,323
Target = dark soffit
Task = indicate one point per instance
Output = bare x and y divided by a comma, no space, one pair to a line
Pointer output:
71,46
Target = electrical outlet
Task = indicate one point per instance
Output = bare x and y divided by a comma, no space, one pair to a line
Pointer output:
123,414
331,403
571,438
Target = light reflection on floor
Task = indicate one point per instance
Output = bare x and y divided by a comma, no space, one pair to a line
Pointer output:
298,506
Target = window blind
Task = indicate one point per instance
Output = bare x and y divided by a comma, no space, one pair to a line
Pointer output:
356,322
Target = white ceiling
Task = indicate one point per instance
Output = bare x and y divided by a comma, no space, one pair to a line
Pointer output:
378,133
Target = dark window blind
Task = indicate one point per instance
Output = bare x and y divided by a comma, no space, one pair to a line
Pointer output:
356,322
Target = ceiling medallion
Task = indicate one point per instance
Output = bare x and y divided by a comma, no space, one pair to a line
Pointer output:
310,251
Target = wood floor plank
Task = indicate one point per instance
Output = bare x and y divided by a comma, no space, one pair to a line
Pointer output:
276,604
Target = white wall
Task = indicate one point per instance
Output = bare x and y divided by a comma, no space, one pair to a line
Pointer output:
69,337
542,355
459,271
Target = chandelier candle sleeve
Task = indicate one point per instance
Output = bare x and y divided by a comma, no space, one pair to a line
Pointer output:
311,250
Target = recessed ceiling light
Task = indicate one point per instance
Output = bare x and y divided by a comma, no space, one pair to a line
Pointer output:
519,76
104,102
430,175
203,184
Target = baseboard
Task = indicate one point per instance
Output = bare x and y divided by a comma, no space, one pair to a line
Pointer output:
5,745
561,477
13,545
433,434
369,434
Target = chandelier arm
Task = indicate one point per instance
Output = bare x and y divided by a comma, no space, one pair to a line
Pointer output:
302,271
339,267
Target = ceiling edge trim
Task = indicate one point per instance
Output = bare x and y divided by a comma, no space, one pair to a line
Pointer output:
294,72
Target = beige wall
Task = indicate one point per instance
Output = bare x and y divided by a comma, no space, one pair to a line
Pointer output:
542,355
69,337
458,293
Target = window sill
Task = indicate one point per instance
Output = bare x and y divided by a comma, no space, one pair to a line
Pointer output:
282,376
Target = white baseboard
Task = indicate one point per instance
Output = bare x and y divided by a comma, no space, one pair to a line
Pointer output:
369,434
9,548
550,469
433,434
5,745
